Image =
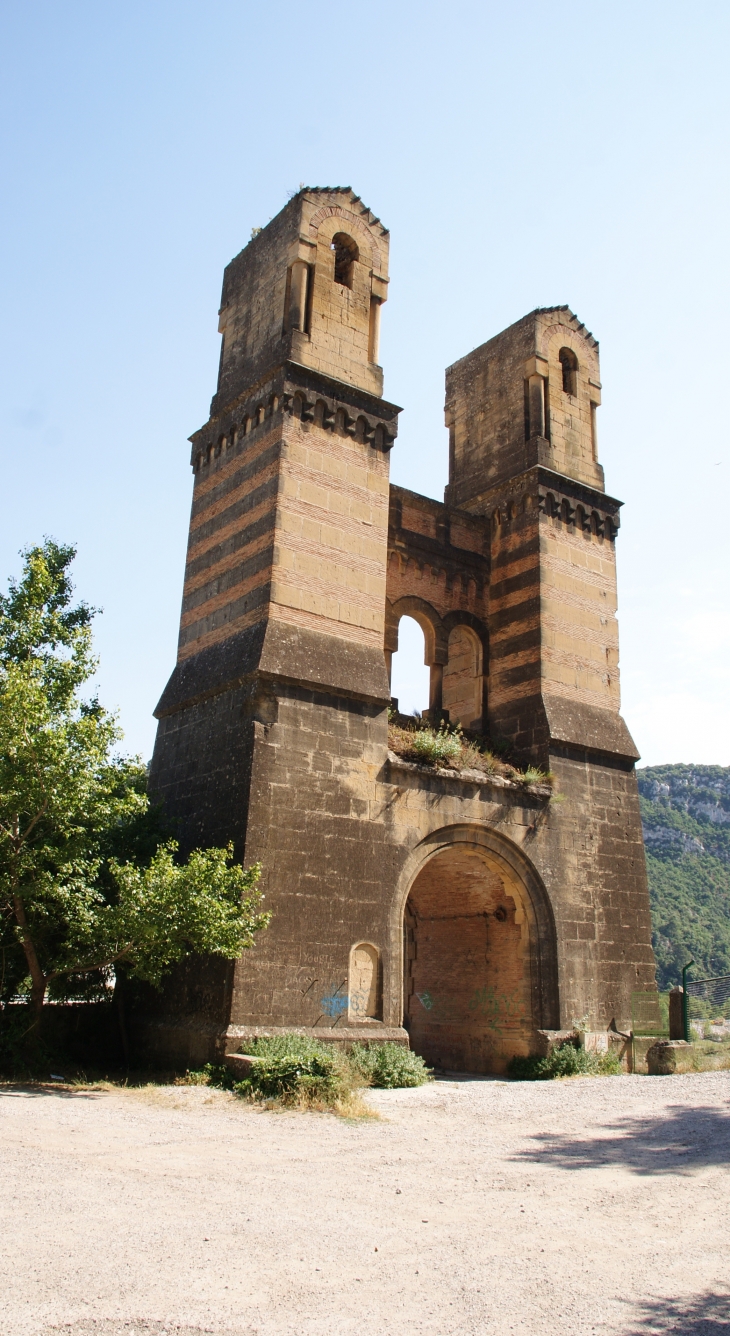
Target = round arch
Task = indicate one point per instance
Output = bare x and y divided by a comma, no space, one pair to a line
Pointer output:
334,218
463,618
507,877
434,633
464,694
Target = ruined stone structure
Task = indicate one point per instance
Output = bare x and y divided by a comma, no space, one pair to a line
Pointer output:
464,912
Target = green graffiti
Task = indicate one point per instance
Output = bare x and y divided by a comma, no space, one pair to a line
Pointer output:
438,1008
496,1008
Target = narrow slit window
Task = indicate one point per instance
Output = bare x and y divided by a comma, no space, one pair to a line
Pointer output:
569,364
346,253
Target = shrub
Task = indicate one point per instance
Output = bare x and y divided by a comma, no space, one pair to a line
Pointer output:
564,1060
430,745
209,1075
388,1066
297,1070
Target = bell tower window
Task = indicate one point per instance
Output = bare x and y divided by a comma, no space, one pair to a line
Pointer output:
569,364
346,253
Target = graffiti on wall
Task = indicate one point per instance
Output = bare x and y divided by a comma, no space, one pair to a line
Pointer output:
334,1004
499,1011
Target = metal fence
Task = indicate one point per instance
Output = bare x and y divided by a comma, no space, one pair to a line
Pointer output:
650,1014
707,1008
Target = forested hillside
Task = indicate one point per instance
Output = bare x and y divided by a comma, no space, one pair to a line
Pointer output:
685,811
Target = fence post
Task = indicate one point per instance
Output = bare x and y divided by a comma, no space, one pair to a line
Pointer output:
676,1013
685,1007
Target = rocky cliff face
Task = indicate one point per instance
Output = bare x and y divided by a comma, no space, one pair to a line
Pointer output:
686,821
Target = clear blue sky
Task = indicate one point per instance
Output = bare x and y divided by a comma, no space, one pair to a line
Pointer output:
522,155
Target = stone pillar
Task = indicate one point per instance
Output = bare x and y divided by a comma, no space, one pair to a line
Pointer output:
536,400
436,692
676,1013
298,297
374,331
389,664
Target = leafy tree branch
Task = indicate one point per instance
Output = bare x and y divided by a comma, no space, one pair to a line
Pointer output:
87,879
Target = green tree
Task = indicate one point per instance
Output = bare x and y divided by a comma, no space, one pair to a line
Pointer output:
85,883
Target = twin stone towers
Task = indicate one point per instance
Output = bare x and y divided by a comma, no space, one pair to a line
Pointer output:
464,913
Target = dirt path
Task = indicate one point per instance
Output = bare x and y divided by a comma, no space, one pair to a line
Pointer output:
598,1205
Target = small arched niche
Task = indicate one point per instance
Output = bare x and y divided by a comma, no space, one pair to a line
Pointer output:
569,364
346,254
463,680
365,990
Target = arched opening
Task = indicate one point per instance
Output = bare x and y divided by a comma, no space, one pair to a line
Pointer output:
569,364
469,986
463,680
346,253
365,992
410,675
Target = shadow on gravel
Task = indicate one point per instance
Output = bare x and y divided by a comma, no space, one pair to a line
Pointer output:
686,1138
138,1327
87,1086
706,1315
38,1090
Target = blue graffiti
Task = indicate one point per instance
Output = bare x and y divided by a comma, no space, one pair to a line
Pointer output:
334,1005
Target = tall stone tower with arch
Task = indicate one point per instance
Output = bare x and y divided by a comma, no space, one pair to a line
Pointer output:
463,913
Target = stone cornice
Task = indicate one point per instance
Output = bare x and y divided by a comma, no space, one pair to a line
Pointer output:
337,406
293,389
555,495
542,792
577,491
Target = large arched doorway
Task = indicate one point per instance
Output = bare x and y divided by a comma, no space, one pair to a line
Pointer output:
478,959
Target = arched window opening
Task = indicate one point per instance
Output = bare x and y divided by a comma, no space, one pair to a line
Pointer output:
346,253
410,676
463,681
569,364
364,992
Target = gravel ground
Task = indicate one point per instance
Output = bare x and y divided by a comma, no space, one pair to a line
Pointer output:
470,1206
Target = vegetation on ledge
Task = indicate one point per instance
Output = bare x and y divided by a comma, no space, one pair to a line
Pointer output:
449,748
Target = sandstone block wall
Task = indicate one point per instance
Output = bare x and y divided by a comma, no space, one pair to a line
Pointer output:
280,300
507,411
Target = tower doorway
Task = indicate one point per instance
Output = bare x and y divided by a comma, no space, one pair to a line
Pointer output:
468,976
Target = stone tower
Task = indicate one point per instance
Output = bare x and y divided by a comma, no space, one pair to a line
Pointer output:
464,912
274,719
521,413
